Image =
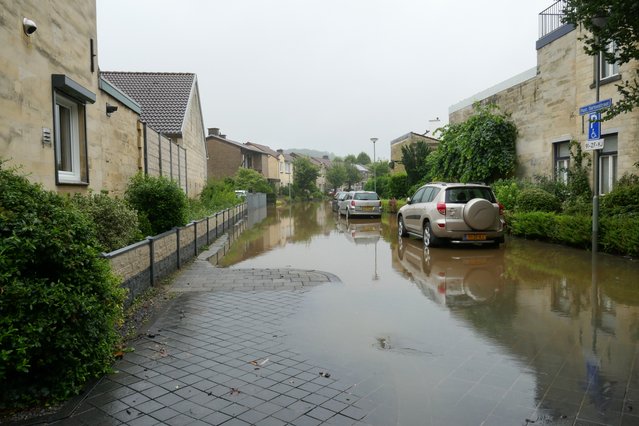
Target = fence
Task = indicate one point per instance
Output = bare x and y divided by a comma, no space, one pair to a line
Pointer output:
163,157
143,264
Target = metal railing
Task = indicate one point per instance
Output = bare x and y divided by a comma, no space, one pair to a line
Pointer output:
550,19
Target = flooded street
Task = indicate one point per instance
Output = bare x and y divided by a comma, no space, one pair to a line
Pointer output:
529,333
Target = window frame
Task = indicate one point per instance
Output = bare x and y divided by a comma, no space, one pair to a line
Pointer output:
561,175
74,175
608,70
68,94
612,157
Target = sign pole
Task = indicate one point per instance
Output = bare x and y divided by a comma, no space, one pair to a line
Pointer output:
595,168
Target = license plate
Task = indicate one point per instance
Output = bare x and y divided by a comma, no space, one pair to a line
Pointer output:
368,208
475,237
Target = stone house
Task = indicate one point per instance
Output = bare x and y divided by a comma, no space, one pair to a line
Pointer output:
171,106
323,164
227,156
67,127
270,167
544,102
286,168
410,138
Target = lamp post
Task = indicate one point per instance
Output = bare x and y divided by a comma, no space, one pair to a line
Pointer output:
374,171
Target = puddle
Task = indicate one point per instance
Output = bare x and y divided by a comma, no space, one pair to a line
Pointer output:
434,331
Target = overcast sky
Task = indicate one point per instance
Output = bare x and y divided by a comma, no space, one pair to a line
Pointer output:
324,74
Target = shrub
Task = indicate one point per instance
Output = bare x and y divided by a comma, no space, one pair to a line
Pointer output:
548,226
536,199
160,202
507,191
60,302
623,199
620,234
218,195
398,186
115,222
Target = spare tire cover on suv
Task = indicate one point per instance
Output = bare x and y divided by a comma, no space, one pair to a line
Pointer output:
479,214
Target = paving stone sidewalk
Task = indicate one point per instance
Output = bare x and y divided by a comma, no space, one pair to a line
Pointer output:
218,356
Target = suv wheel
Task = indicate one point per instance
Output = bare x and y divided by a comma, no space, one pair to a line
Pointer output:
401,228
479,214
430,240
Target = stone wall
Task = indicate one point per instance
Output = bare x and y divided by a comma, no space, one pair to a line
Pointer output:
143,264
545,108
193,139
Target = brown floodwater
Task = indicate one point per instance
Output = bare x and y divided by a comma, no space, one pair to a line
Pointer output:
529,333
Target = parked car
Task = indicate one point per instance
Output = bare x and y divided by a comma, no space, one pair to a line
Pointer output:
361,203
241,193
453,212
339,196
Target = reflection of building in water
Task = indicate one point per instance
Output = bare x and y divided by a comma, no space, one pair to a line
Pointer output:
572,328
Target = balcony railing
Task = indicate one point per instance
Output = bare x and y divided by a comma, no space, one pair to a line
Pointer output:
550,18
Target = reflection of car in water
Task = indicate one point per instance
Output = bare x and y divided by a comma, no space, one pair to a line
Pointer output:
451,276
361,231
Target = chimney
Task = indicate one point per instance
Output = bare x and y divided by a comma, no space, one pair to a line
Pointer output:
214,131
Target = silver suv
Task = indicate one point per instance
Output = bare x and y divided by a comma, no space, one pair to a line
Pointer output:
455,212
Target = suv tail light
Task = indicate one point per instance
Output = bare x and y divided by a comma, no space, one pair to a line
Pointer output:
441,208
501,209
352,203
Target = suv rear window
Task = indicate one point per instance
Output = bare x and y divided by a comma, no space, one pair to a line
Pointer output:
365,196
464,194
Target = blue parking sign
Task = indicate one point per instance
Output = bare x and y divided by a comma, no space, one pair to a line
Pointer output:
594,126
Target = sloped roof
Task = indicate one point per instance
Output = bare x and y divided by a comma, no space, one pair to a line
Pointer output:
164,97
264,149
239,145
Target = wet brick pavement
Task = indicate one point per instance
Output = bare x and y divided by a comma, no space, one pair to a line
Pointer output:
217,356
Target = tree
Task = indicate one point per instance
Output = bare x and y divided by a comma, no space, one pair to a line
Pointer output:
352,174
305,176
350,158
252,181
481,148
336,174
621,27
363,158
414,161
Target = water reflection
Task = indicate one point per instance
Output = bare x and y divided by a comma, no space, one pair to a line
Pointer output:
450,276
460,335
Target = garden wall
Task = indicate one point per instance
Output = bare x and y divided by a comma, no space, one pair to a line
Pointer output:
141,265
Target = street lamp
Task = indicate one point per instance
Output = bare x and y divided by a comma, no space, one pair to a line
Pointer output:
374,171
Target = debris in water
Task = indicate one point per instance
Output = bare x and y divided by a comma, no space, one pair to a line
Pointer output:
259,362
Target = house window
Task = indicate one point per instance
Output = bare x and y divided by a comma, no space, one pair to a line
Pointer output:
562,161
608,69
69,122
70,144
608,164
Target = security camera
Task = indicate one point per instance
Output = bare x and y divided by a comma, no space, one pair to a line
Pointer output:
29,26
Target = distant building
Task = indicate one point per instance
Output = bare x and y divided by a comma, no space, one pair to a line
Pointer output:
225,156
406,140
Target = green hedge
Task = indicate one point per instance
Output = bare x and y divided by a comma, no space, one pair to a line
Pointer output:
59,300
620,234
617,234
